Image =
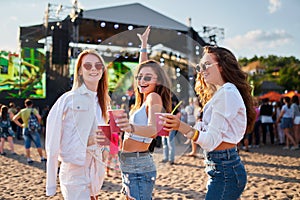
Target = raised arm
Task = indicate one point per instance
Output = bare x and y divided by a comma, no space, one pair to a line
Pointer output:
144,41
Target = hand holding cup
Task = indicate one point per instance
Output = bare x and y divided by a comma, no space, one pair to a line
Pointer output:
123,123
170,122
103,135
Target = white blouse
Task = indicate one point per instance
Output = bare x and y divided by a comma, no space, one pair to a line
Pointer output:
224,119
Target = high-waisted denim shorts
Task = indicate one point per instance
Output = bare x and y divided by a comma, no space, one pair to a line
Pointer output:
138,175
227,175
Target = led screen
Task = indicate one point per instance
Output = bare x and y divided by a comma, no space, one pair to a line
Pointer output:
23,76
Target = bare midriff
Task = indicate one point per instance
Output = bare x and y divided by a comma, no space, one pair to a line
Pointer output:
225,145
130,145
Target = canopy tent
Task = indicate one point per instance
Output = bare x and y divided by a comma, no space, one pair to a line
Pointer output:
291,94
272,96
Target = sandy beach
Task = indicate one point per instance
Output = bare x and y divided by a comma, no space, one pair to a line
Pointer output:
273,173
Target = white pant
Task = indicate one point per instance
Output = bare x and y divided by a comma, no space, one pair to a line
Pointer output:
82,182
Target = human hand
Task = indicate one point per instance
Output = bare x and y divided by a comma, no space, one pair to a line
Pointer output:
123,123
144,37
171,122
100,138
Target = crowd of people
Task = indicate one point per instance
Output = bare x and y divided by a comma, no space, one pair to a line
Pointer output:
222,119
14,125
279,120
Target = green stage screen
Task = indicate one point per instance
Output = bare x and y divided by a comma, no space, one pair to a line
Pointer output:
23,76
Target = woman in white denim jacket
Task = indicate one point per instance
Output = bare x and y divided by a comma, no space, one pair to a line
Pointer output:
71,128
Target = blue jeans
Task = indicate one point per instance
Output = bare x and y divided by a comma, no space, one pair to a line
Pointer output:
28,137
227,175
169,146
138,176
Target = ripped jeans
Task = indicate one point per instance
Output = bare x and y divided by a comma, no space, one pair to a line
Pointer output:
227,175
138,175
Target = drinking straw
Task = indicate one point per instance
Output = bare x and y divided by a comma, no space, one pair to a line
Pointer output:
180,102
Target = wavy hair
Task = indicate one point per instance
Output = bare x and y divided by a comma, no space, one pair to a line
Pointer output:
162,88
231,72
204,90
102,89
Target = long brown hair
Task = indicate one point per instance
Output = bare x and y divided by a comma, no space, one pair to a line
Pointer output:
162,88
102,89
231,72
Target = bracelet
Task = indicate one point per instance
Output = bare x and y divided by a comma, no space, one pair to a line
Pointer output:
143,50
132,128
195,136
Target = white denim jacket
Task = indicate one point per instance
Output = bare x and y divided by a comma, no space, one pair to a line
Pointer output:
70,122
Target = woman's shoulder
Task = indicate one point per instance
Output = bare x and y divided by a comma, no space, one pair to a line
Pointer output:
153,96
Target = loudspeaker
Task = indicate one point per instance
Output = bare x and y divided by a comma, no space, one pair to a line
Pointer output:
60,46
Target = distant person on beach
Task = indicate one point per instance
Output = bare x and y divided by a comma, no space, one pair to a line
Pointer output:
169,147
266,112
286,116
152,92
6,132
28,134
227,116
71,131
296,120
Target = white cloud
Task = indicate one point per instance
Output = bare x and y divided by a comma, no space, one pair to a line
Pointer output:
274,5
257,41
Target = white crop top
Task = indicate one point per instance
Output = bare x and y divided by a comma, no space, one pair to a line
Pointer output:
139,117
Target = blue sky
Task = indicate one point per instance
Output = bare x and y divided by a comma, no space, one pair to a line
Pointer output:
252,27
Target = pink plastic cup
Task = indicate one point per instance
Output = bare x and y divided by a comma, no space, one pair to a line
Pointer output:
113,115
107,134
159,125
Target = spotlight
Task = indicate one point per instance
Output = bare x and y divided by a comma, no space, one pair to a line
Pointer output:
116,26
103,24
99,40
130,43
130,27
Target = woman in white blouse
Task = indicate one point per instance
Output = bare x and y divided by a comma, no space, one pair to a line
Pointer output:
71,128
227,116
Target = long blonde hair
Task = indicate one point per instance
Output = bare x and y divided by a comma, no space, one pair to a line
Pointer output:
102,89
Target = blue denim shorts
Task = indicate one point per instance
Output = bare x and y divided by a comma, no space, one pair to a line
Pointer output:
227,175
138,175
28,137
286,123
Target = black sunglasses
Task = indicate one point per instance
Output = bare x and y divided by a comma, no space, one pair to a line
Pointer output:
88,66
204,66
145,78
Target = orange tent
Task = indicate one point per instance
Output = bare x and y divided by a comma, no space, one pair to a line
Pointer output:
291,94
272,95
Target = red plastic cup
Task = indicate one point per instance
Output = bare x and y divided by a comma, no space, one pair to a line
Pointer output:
159,125
113,115
106,133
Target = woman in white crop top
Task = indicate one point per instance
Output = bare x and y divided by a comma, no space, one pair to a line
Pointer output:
227,116
152,90
70,133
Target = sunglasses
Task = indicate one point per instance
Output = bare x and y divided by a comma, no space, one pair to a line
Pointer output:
88,66
204,66
145,78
